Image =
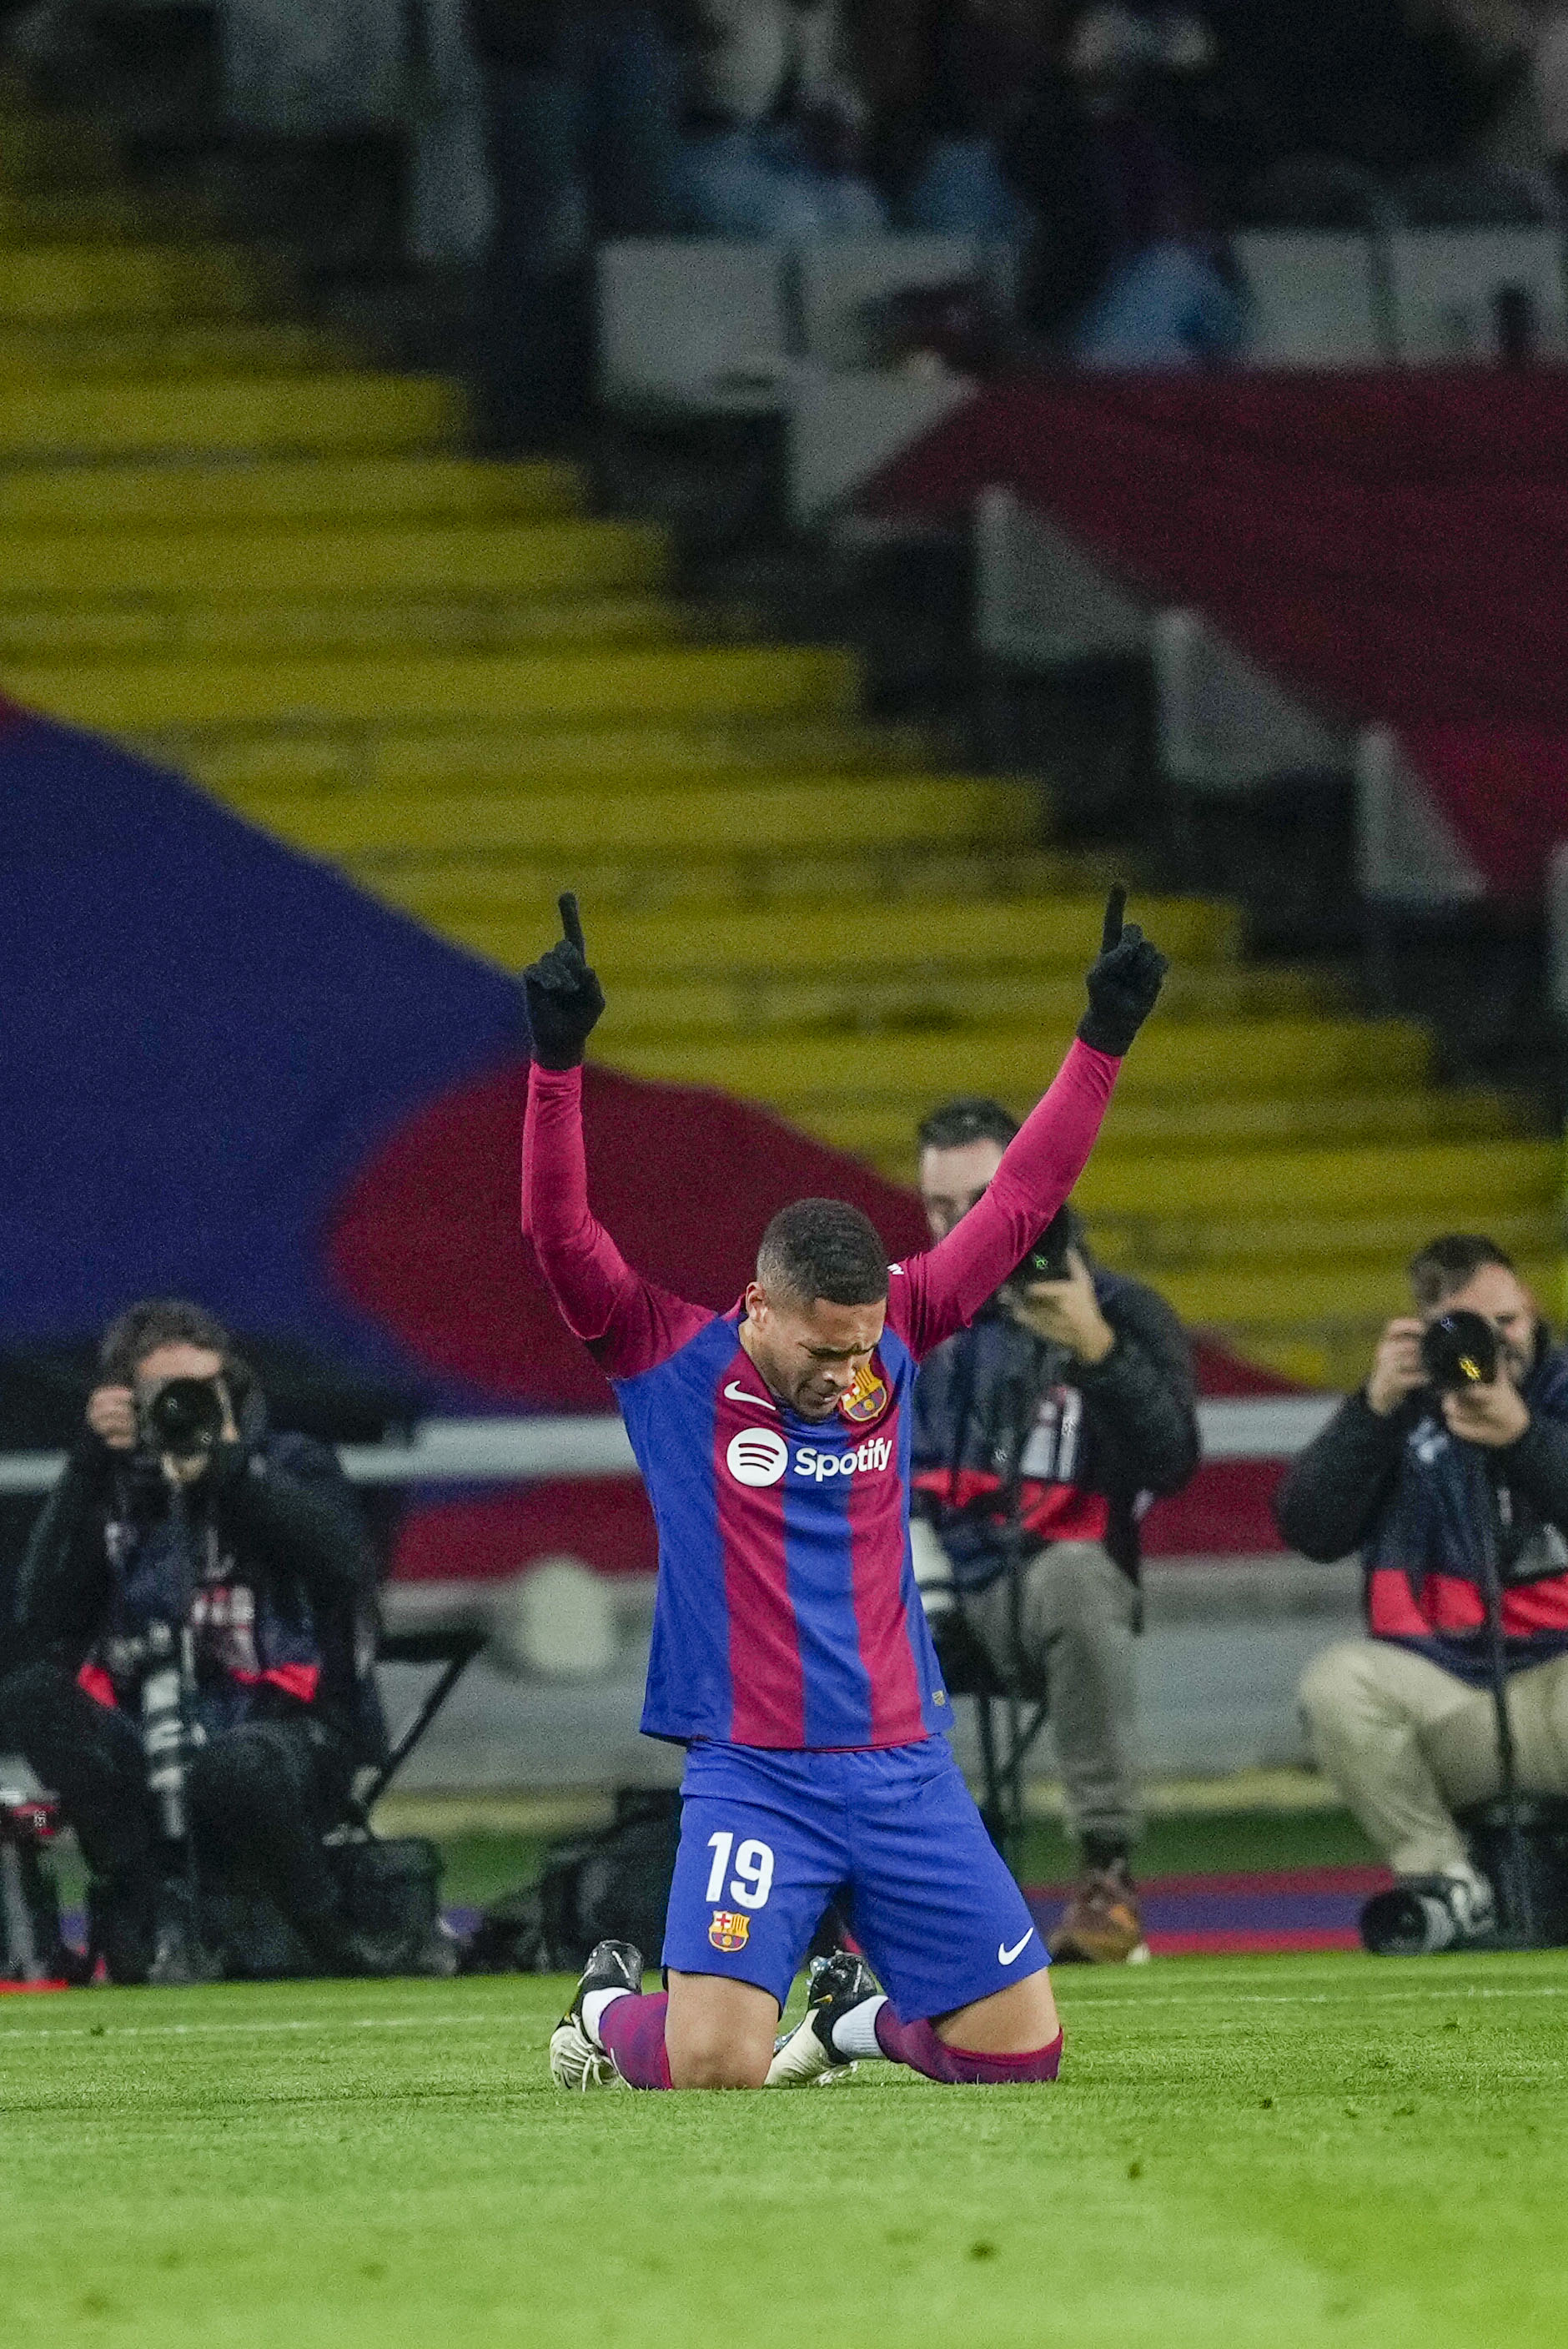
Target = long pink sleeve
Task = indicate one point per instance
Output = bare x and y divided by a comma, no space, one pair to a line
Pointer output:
938,1292
627,1322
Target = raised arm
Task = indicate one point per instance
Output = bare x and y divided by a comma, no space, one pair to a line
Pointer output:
627,1322
934,1294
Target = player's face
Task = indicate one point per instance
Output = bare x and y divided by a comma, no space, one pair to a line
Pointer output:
951,1180
809,1355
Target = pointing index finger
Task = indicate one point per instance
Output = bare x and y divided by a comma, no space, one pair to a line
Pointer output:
1115,905
570,921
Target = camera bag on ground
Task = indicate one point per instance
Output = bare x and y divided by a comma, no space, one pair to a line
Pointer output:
613,1884
390,1895
1543,1833
391,1892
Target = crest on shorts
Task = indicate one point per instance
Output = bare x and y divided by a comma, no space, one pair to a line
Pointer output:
729,1931
866,1400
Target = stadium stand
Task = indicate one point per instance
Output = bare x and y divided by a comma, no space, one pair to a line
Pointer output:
448,681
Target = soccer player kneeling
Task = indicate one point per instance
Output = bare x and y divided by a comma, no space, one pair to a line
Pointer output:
790,1655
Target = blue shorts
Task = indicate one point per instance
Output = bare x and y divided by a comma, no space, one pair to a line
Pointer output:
891,1833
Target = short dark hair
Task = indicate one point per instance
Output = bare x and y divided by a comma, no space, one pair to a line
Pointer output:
969,1117
157,1322
823,1247
1447,1263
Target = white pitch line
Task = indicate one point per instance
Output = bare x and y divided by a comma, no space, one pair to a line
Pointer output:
260,2026
208,2029
1332,1998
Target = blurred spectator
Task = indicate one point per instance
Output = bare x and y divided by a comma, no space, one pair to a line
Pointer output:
944,81
775,143
1548,85
583,101
1394,85
1127,266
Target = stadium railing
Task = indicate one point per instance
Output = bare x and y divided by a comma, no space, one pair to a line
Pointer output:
512,1451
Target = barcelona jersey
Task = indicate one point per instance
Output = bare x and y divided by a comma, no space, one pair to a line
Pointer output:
787,1613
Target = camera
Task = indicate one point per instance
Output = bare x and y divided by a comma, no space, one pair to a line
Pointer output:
184,1418
1047,1260
1459,1351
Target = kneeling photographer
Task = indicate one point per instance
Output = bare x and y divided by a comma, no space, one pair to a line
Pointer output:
188,1610
1038,1430
1449,1471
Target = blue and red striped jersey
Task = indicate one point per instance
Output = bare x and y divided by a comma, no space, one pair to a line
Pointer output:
787,1613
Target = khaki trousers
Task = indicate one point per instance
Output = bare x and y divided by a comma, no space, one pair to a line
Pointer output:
1075,1610
1407,1745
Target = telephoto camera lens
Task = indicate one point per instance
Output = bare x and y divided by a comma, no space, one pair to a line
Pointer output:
185,1417
1459,1350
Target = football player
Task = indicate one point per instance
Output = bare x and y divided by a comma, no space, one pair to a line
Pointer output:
791,1656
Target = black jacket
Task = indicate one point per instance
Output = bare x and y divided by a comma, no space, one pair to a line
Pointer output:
279,1514
1425,1510
1097,1438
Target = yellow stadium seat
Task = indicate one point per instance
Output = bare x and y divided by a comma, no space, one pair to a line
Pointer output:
233,542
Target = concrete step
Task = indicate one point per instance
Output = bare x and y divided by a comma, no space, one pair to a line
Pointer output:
375,835
472,756
856,883
928,1000
256,415
187,350
48,151
1311,1305
242,490
881,1127
68,283
1160,1245
557,559
111,214
1174,1060
554,688
695,819
1032,934
1323,1186
158,630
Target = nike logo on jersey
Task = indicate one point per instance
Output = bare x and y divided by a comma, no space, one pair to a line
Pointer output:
738,1393
1005,1957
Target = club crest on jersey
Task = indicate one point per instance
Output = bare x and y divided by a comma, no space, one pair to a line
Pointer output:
866,1400
728,1931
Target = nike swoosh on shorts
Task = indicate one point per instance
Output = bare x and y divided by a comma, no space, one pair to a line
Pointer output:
1006,1957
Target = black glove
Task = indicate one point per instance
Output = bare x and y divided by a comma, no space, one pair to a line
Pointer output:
1123,985
563,997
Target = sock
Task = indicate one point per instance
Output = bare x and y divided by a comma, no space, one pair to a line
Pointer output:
854,2034
1105,1855
593,2004
916,2044
632,2033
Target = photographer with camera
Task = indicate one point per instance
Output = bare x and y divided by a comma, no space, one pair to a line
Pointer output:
1038,1430
189,1610
1449,1471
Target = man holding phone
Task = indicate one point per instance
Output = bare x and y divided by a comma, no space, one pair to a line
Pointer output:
1040,1431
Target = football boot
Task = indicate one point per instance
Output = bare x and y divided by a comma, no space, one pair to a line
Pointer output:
576,2059
806,2056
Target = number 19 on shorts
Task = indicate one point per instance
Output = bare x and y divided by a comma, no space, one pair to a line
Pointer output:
753,1878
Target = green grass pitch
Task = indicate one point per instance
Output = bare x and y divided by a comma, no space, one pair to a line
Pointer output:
1241,2153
